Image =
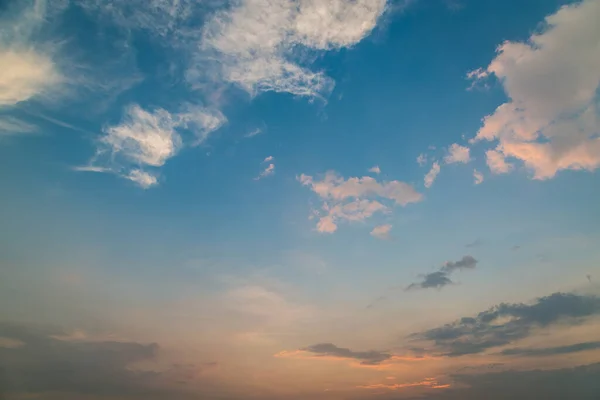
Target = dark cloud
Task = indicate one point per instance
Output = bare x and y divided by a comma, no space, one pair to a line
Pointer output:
365,357
46,361
506,323
441,278
551,351
467,262
580,383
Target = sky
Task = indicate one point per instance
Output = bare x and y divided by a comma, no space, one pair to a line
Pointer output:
299,199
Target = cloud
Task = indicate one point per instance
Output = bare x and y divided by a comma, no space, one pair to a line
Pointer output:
28,68
551,384
497,163
355,199
147,139
13,126
258,43
427,383
422,159
375,170
551,121
551,351
441,278
458,154
382,231
475,243
364,357
505,323
252,133
268,159
432,174
268,171
46,364
477,177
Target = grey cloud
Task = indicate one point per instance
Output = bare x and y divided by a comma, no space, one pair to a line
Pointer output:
467,262
370,357
441,278
551,351
580,383
48,363
472,335
475,243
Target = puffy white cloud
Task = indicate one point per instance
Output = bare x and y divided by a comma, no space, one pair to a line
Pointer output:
256,42
269,159
375,170
268,171
422,159
142,178
432,174
477,177
458,154
497,163
551,121
382,231
355,199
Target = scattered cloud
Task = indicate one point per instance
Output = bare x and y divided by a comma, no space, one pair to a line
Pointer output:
432,174
506,323
422,159
256,43
147,139
382,231
370,357
268,171
458,154
551,351
253,132
441,278
551,121
477,177
375,170
475,243
355,199
427,383
269,159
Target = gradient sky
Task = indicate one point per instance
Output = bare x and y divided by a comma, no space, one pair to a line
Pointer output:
299,199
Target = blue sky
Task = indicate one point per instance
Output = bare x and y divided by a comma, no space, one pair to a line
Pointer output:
269,189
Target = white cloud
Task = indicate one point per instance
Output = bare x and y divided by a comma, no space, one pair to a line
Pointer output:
256,42
432,174
477,177
253,133
497,162
269,159
375,170
551,122
458,154
27,71
382,231
14,126
355,199
148,139
422,159
144,179
268,171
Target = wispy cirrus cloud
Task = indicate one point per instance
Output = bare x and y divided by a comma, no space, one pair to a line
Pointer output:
355,199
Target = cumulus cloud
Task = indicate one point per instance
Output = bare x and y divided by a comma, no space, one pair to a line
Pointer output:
551,121
382,231
441,278
432,174
268,171
375,170
256,42
506,323
355,199
458,154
